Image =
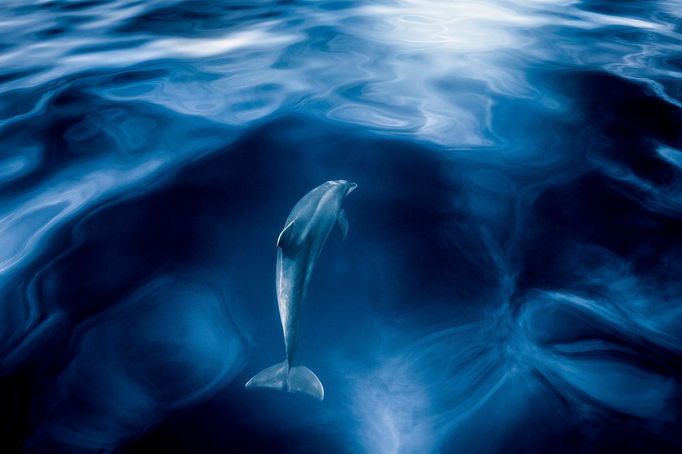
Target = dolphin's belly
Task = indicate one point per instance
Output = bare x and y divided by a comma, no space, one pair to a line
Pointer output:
290,292
294,267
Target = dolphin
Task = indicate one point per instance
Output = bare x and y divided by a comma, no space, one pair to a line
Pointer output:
298,247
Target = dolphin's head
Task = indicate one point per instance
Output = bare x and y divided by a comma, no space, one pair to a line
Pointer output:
345,186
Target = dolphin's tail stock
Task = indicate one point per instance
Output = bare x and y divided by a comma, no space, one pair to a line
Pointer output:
297,379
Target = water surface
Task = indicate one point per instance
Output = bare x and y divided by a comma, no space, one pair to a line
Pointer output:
511,276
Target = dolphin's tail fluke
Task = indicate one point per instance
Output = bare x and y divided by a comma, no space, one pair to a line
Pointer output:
297,379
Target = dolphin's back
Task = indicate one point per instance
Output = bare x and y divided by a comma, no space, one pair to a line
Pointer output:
305,208
292,240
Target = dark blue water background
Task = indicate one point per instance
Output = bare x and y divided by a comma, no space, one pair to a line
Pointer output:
511,278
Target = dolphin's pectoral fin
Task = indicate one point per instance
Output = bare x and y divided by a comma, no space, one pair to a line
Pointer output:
342,220
286,236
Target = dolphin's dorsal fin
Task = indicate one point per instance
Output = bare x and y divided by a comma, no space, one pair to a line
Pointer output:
286,236
342,220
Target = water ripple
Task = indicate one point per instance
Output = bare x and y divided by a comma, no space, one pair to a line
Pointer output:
514,255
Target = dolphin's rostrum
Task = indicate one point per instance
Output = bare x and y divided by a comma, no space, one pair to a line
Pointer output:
298,246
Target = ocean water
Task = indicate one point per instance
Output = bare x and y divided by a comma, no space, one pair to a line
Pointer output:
511,277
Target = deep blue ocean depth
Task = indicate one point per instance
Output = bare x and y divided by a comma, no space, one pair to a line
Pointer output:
512,276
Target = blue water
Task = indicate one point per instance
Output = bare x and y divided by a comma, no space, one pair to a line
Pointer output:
511,277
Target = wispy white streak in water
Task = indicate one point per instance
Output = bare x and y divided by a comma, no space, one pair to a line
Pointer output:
64,62
179,48
671,155
26,224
